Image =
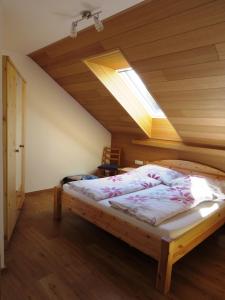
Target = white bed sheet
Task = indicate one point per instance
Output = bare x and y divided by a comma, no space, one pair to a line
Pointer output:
171,228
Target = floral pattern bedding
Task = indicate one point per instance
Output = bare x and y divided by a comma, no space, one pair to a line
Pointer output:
100,189
141,178
162,202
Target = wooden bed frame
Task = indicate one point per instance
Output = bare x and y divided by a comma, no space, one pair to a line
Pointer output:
165,251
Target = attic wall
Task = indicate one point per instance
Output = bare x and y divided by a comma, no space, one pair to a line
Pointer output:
61,137
176,46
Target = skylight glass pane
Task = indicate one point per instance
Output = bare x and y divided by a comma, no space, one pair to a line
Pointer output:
135,83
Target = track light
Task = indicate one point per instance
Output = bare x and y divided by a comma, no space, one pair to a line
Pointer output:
73,32
98,23
85,15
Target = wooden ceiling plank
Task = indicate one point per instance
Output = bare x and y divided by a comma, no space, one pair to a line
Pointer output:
78,78
75,55
182,58
198,17
210,69
193,95
153,76
107,109
200,121
201,129
213,82
195,113
83,86
216,105
68,69
185,41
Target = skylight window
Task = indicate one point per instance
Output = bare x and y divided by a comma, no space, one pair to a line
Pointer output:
135,83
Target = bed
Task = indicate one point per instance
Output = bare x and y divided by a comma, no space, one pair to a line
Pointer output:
167,242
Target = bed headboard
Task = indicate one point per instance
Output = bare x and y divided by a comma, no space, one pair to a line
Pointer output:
190,167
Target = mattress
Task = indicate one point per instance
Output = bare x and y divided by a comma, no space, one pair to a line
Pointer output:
171,228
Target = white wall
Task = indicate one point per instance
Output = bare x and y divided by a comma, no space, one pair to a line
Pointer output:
1,152
62,138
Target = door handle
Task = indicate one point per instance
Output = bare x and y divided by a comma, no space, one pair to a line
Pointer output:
21,146
17,150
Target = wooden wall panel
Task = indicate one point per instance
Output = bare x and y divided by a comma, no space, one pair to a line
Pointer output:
131,152
176,46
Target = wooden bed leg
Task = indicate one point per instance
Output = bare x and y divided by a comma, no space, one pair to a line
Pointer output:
57,203
164,268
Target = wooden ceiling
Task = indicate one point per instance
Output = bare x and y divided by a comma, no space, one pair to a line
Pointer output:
176,46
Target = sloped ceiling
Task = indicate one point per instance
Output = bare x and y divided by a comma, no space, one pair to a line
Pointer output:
176,46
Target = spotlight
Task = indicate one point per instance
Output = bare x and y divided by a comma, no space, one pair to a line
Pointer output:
73,32
98,23
86,15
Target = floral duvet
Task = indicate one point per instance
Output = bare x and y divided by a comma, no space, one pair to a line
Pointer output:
162,202
104,188
144,177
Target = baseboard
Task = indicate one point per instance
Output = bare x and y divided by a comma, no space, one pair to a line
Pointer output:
39,192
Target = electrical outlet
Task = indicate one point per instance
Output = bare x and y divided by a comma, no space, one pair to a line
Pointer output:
139,162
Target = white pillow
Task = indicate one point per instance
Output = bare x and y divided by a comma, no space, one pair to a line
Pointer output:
163,174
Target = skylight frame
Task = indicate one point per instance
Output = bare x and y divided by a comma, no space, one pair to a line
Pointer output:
135,83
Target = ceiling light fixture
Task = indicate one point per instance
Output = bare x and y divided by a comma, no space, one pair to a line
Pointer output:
85,15
98,23
73,32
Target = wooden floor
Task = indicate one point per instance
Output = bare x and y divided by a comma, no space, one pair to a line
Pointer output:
76,260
